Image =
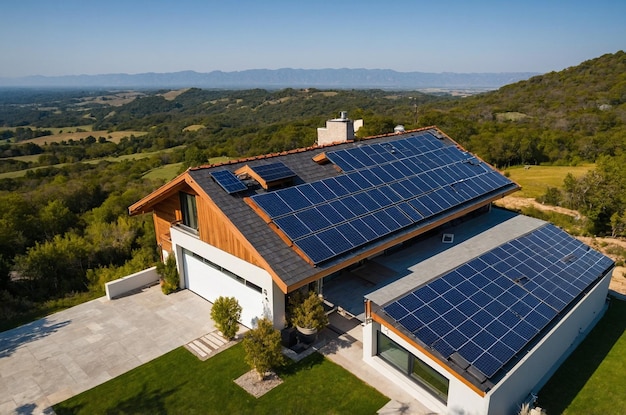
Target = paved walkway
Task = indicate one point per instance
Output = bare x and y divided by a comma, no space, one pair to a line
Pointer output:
345,348
57,357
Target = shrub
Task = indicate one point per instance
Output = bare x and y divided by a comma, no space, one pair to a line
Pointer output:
168,272
310,313
552,197
263,348
226,313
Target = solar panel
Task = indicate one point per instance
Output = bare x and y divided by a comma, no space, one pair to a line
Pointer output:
335,240
294,199
315,248
293,227
487,314
272,172
273,205
390,186
228,181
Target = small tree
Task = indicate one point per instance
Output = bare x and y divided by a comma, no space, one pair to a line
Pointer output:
263,349
310,313
169,274
226,312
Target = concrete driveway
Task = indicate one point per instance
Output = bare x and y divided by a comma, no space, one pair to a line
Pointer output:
57,357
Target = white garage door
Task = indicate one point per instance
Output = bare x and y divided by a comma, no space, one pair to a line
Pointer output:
211,283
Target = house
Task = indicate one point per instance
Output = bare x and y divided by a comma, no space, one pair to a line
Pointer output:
469,308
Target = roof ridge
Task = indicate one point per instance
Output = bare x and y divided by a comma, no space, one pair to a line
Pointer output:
304,149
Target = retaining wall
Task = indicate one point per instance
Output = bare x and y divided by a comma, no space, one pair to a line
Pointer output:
131,282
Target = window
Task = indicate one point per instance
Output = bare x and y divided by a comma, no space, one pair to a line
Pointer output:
413,367
189,210
430,378
393,353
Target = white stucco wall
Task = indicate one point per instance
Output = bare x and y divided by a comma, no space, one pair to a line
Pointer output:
369,356
270,304
336,131
131,282
529,375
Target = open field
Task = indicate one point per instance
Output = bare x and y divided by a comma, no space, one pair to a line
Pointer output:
179,383
165,173
171,95
194,127
169,171
54,130
115,99
135,156
114,136
536,179
32,158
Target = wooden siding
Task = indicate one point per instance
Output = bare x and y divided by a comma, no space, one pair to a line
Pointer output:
217,230
164,214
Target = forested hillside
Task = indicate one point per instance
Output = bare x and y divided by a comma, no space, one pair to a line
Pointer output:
64,228
560,117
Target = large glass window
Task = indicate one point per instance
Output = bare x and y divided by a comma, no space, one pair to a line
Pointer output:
430,378
393,353
189,210
413,367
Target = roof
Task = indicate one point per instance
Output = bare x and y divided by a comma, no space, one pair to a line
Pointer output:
479,305
424,177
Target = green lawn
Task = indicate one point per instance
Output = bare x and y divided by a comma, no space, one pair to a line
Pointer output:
179,383
536,179
593,379
169,171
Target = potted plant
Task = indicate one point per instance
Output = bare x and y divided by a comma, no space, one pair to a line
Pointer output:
308,316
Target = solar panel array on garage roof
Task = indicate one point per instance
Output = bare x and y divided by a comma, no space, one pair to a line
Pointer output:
272,172
418,179
489,309
228,181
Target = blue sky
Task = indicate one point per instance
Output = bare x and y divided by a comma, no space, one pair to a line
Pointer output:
72,37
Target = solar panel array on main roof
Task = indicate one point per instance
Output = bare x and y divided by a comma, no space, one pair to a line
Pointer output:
490,308
272,172
228,181
385,188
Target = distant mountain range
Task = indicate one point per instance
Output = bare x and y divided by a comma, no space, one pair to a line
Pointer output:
279,78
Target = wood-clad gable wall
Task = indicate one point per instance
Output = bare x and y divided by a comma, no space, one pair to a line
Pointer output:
214,227
217,230
165,213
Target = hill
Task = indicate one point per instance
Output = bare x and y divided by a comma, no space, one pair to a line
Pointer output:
276,79
559,117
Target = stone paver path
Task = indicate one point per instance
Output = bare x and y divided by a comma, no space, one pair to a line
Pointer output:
206,345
